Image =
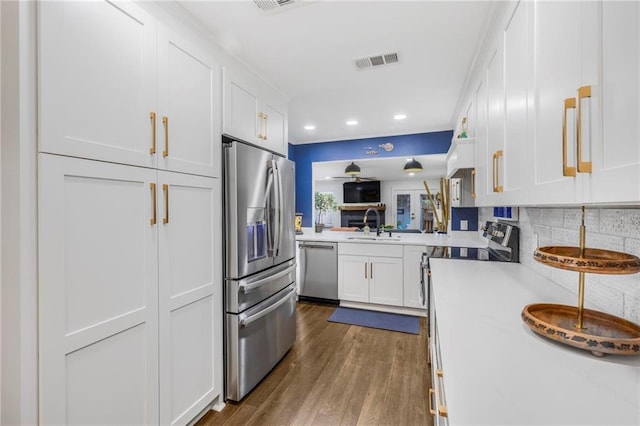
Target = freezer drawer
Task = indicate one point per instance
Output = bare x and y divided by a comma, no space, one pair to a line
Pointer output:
243,294
257,339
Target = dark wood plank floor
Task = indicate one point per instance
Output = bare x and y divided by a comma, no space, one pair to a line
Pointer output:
337,374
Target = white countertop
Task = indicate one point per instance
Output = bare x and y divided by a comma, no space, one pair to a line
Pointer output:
456,238
498,372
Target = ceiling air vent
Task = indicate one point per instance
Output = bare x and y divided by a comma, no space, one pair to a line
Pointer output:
270,5
376,60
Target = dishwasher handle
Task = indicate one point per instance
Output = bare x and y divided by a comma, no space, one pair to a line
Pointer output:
316,246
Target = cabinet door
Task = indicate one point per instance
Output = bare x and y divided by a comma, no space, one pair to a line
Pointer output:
557,63
241,115
482,170
97,81
616,160
353,278
190,294
411,277
495,126
189,106
275,128
385,277
98,298
514,164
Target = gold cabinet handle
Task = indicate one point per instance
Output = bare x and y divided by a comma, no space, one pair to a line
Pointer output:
261,117
496,174
154,199
566,170
365,270
583,166
431,394
165,189
165,123
266,126
439,373
152,116
473,183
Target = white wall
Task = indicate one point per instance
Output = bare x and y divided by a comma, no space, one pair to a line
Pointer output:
606,228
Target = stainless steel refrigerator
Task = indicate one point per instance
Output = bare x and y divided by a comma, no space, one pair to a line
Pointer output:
260,268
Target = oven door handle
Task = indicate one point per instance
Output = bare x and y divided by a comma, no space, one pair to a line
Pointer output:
245,321
246,288
424,269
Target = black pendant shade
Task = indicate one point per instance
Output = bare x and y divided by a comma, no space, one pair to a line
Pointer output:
412,166
352,169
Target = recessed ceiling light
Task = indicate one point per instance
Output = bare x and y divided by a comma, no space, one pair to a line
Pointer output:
408,159
400,116
327,177
411,174
352,122
309,127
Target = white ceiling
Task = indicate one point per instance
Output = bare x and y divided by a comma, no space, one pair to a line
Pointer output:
307,51
391,168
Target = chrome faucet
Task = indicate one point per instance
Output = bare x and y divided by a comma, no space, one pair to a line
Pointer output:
377,219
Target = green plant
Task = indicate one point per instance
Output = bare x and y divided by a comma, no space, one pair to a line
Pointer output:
324,202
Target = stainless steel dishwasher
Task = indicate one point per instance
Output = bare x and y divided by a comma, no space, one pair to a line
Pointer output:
318,271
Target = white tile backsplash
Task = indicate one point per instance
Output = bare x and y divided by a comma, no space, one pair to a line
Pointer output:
606,228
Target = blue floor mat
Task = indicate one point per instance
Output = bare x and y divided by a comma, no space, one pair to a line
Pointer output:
373,319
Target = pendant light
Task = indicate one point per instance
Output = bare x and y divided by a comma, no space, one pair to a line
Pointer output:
412,166
352,169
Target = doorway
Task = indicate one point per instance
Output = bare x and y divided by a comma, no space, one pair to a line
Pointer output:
412,210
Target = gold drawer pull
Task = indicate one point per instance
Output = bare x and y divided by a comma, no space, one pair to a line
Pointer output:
431,394
583,166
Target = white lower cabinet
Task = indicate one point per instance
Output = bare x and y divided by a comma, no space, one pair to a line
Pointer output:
413,296
129,293
370,273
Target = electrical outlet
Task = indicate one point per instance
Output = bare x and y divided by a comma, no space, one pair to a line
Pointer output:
464,225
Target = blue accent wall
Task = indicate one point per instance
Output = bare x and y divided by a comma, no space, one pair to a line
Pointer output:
405,145
470,214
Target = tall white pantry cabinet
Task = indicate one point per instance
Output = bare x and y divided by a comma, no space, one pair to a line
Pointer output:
130,293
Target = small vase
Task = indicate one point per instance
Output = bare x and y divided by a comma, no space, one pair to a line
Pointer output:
319,227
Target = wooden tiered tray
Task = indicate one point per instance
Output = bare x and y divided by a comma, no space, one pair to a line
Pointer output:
594,261
576,326
601,333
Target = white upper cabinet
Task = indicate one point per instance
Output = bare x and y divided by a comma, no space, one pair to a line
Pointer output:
189,107
562,107
97,81
511,164
253,112
564,32
615,175
115,85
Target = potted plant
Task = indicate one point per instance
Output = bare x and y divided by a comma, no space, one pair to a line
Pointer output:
323,203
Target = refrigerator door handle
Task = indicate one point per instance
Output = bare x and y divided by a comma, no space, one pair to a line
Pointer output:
278,208
267,207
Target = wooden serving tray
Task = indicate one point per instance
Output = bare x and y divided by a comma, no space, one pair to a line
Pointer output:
602,333
595,261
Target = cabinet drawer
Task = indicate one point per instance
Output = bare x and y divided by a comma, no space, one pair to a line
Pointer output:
384,250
